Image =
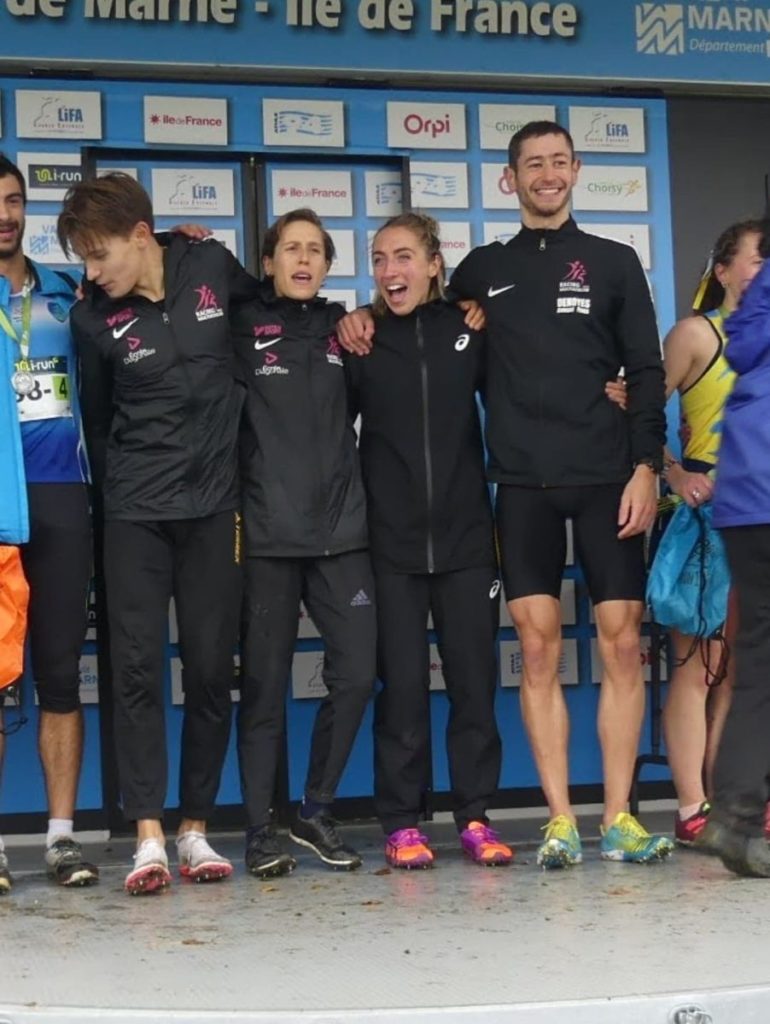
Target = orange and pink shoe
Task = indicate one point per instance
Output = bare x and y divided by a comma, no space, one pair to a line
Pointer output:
408,848
483,846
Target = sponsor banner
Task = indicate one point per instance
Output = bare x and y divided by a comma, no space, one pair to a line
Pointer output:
177,693
426,125
500,231
306,628
193,190
89,679
607,129
53,114
511,663
295,122
132,172
496,193
40,241
345,296
636,235
49,175
329,193
384,193
229,239
568,607
610,187
185,119
455,238
307,675
344,264
499,121
439,185
597,666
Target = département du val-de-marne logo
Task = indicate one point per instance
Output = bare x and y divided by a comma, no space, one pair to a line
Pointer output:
660,29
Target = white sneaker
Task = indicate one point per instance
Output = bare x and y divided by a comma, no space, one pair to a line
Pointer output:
198,861
150,873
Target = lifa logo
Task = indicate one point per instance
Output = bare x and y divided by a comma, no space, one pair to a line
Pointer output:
208,307
302,122
603,130
660,29
190,192
61,116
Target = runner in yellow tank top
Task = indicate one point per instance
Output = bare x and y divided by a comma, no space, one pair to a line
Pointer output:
696,367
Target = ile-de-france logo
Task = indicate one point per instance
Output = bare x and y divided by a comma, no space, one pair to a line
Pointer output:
660,29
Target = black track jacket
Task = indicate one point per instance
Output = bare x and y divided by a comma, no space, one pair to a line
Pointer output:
565,310
159,398
300,473
421,449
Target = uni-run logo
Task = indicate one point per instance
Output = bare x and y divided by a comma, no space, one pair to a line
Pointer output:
54,114
302,122
660,29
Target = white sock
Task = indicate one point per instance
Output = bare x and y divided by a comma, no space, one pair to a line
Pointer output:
2,845
688,811
58,827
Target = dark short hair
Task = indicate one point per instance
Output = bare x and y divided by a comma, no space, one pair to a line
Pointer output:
535,130
6,168
274,232
102,208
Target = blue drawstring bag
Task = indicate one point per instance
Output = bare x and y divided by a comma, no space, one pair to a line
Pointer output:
689,580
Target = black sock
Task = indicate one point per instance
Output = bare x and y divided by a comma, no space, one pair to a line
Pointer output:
310,808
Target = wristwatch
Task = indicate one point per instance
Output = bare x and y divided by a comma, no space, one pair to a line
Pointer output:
656,465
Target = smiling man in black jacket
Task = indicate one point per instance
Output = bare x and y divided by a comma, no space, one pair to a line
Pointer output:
565,311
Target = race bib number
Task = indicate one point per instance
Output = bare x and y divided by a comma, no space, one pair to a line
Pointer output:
46,394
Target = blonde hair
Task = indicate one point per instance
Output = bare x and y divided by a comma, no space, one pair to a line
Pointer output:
425,230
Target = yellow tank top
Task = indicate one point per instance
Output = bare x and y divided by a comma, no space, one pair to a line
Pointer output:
704,401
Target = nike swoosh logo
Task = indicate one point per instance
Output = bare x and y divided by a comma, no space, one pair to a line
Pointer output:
266,344
118,332
491,292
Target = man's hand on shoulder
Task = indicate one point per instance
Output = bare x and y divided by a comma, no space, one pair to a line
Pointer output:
639,503
474,314
356,330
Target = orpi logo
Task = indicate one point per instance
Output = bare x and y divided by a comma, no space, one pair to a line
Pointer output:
415,124
660,29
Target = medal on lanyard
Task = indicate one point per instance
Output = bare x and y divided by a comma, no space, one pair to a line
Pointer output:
22,381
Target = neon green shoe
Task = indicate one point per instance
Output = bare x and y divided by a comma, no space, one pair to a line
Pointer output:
561,847
626,839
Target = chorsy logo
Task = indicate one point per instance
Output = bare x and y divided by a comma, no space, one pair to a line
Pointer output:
660,29
302,122
333,351
208,307
53,176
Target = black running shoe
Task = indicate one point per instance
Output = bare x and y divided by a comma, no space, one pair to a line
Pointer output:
741,854
319,834
64,860
5,875
264,856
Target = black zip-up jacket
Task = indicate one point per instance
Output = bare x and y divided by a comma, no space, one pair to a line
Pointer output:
160,402
421,449
300,473
565,310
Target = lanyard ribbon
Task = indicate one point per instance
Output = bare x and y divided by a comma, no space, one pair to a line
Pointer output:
26,321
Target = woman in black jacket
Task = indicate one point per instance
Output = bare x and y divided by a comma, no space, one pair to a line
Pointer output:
431,538
305,537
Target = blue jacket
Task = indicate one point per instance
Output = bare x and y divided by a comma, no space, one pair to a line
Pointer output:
51,288
742,491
